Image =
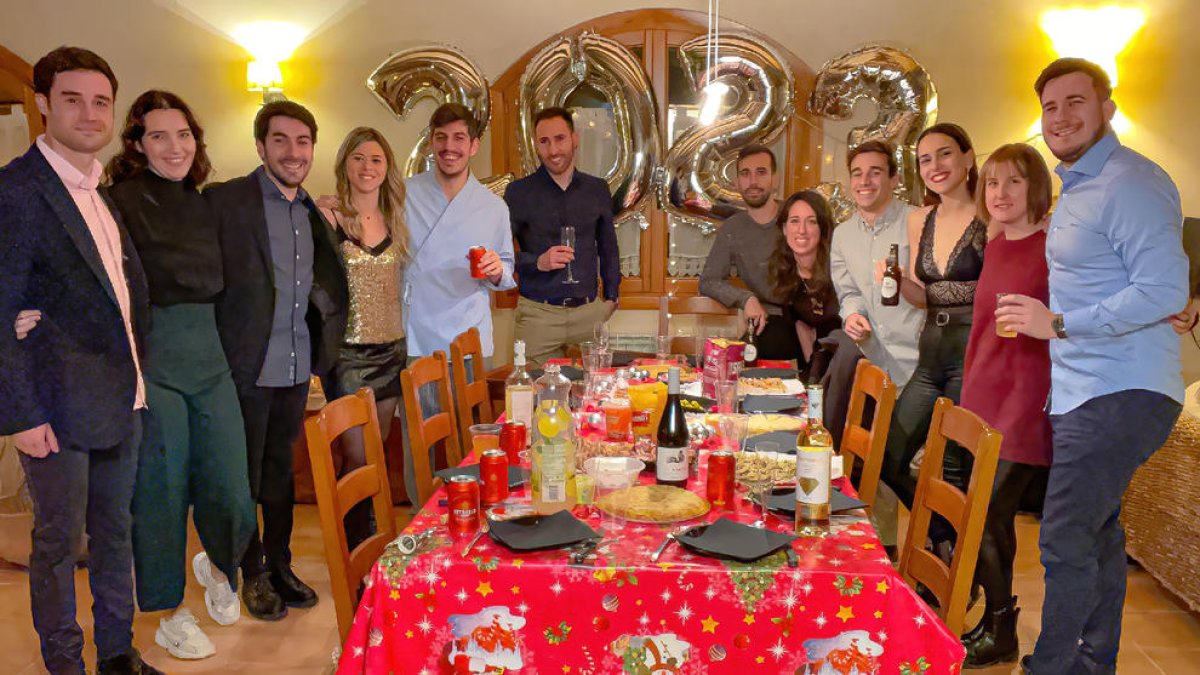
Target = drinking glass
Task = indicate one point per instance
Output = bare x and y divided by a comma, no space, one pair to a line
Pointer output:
726,396
760,485
568,240
600,332
1003,330
734,428
662,347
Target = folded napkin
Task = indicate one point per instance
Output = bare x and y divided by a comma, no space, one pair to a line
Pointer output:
765,403
762,373
726,538
531,533
784,501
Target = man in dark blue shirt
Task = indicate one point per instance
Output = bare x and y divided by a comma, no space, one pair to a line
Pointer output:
553,311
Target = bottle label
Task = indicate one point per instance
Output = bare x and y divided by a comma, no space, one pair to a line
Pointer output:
816,406
671,464
749,353
554,472
812,474
520,407
890,287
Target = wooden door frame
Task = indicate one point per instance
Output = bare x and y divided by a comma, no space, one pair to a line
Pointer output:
16,85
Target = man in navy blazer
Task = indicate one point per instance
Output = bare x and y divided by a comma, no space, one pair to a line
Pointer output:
281,317
71,394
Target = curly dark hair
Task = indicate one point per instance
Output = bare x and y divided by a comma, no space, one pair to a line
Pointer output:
131,161
782,271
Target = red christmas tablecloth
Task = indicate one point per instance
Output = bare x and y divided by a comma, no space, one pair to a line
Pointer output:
844,610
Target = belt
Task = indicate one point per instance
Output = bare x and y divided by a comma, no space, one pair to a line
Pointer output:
959,315
564,302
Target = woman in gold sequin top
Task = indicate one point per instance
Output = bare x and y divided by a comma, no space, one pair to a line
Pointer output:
369,218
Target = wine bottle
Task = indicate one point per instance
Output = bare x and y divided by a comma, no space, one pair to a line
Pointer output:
750,351
670,457
814,450
518,392
890,288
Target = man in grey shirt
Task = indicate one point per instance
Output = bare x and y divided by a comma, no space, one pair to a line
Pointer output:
745,243
887,335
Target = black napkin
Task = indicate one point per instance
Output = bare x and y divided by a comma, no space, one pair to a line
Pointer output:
472,470
726,538
764,403
622,359
781,373
570,372
532,533
784,501
785,439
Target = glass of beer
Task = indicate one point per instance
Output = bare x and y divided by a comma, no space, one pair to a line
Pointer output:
484,437
1001,330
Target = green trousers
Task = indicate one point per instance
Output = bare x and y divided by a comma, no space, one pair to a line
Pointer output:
193,457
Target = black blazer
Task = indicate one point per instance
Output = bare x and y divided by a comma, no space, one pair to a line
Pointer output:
246,307
75,370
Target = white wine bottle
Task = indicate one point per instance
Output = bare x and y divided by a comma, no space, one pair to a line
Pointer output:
814,451
518,393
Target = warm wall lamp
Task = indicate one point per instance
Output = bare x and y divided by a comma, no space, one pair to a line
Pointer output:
270,42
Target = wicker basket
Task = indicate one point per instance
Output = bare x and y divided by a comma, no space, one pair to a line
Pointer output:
1161,509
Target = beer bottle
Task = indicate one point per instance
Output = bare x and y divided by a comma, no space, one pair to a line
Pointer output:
891,278
750,351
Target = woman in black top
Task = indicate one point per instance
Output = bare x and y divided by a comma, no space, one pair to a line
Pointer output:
198,457
799,269
947,240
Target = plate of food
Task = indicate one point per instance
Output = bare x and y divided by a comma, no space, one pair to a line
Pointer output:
780,466
658,504
763,423
769,386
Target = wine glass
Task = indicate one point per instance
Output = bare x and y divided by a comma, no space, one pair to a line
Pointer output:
759,484
600,332
568,240
734,427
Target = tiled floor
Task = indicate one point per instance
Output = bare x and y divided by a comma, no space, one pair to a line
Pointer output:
1161,637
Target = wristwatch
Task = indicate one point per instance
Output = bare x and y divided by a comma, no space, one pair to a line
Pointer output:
1060,330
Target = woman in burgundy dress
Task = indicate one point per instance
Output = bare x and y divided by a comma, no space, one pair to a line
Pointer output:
1006,379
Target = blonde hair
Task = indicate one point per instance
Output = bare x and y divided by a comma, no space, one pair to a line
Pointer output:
391,191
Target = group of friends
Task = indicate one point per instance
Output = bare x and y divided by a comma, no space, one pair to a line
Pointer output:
165,328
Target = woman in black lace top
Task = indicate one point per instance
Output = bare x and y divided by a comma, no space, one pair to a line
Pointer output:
947,240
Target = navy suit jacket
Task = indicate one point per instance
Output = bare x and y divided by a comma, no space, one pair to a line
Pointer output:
75,370
246,307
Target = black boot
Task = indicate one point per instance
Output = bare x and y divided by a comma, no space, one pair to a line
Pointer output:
998,642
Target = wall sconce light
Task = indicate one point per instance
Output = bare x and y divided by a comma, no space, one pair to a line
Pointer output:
265,77
1098,34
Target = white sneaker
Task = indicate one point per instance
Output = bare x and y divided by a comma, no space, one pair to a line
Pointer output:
181,636
223,604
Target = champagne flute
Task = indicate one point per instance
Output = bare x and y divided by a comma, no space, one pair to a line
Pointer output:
568,240
600,332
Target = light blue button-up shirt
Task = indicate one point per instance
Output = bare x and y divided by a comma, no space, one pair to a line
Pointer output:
1117,272
442,300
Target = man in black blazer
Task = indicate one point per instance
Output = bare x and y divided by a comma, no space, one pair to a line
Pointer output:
281,317
71,393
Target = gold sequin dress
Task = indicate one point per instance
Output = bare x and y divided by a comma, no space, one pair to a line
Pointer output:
373,352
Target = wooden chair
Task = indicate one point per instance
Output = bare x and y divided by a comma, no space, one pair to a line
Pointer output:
857,441
440,428
966,512
695,304
473,402
335,497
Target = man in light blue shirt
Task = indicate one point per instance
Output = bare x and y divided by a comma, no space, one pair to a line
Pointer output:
1117,275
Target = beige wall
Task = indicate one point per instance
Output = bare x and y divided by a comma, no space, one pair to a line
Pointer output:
983,57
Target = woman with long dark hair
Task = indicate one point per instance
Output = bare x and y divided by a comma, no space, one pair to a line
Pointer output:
368,216
194,456
799,269
947,239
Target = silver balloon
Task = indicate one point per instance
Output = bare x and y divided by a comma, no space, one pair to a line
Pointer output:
758,106
905,98
439,72
841,207
605,64
498,183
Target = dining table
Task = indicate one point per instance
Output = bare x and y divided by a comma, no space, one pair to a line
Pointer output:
824,605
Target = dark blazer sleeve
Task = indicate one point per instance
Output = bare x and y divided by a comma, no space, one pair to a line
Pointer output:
329,299
20,403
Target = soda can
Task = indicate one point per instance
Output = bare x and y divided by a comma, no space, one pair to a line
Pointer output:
462,494
513,439
722,468
476,255
493,468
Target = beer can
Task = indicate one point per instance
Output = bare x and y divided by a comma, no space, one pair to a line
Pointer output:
513,439
463,505
722,469
476,255
493,468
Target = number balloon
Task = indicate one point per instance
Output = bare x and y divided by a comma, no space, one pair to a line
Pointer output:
902,92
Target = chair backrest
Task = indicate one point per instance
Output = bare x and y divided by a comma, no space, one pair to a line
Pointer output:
696,305
335,497
469,398
966,512
440,428
857,441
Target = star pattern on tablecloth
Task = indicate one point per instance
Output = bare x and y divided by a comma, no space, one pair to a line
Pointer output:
821,620
665,595
878,614
920,620
845,613
431,576
425,626
709,625
522,608
807,588
881,636
882,586
778,650
710,592
684,613
556,587
462,595
644,619
515,590
484,588
748,619
517,562
790,600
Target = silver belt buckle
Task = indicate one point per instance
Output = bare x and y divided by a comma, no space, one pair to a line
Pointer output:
941,318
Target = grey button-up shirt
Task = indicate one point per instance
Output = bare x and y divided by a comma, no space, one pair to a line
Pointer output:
856,246
745,245
289,230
